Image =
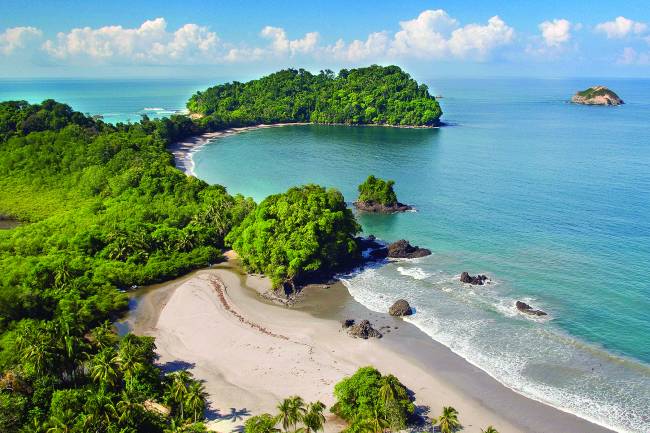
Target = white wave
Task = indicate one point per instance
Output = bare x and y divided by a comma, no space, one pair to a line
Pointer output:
153,109
506,355
415,273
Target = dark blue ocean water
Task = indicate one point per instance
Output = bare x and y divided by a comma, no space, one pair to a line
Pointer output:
550,199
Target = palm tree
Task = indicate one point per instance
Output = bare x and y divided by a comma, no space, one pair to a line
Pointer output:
375,424
63,423
103,368
195,399
178,388
448,421
489,429
314,419
127,408
291,411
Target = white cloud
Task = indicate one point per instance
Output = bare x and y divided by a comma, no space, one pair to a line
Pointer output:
434,34
282,45
621,27
374,47
16,38
149,43
479,41
555,33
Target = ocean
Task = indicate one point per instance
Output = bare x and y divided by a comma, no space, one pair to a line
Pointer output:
549,199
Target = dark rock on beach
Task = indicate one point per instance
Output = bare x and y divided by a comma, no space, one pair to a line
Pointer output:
478,280
525,308
347,323
371,206
363,330
400,308
402,249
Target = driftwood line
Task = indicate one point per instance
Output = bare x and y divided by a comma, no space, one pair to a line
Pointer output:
219,288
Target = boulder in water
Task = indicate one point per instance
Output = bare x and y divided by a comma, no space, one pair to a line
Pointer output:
400,308
478,280
525,308
402,249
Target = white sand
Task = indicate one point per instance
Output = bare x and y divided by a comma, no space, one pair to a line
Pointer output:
247,370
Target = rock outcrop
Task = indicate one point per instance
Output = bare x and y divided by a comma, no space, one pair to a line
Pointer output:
347,323
402,249
478,280
363,330
371,206
597,95
525,308
400,308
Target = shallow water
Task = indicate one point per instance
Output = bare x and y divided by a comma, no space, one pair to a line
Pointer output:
548,198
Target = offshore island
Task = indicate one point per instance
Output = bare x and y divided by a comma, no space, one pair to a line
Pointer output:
104,208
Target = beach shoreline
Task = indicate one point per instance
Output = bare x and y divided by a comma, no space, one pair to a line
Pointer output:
184,150
192,326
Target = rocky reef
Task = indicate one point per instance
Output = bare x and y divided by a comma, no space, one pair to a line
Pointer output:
477,280
527,309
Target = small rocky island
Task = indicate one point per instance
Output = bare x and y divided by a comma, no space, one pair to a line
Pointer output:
597,95
377,195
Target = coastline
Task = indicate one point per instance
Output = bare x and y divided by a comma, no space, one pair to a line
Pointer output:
192,327
183,150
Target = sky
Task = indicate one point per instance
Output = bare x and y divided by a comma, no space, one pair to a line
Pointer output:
191,39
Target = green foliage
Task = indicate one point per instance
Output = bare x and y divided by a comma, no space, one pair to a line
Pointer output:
489,429
592,92
294,235
448,420
372,95
370,401
376,190
106,210
264,423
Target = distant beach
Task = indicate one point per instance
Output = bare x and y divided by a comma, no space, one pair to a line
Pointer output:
183,150
252,353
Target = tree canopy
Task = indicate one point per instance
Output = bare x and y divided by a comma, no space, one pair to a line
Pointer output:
105,209
372,402
379,95
376,190
293,235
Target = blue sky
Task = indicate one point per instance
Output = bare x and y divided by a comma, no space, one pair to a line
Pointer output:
246,38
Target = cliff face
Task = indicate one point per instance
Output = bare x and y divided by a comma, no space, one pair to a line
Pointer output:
597,95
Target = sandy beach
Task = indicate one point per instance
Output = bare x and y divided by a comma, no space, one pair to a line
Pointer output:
251,353
183,150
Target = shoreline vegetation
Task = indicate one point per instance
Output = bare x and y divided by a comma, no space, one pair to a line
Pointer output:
106,211
308,342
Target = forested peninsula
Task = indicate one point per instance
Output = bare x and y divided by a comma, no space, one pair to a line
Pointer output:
103,209
374,95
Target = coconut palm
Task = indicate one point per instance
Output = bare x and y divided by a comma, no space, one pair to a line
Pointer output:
178,388
103,368
127,408
195,399
313,419
448,421
489,429
290,412
374,424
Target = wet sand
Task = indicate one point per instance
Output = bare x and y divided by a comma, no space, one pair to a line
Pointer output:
250,353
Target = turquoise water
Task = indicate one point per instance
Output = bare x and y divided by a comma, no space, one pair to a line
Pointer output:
550,199
115,100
